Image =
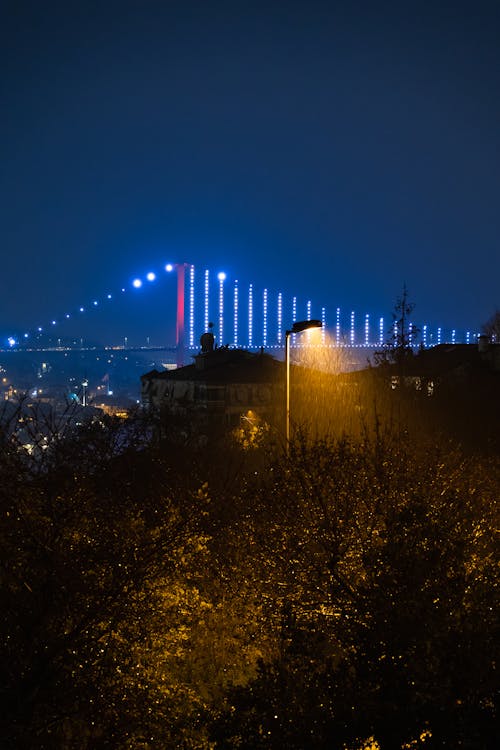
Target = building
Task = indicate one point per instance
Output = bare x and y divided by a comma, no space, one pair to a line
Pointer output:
223,388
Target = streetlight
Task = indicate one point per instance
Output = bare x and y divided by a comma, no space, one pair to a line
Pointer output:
297,327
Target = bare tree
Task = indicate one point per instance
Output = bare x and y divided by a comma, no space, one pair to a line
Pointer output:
403,335
492,326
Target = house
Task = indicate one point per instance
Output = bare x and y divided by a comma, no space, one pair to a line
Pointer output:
222,388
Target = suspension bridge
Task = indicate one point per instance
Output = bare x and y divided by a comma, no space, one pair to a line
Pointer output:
246,315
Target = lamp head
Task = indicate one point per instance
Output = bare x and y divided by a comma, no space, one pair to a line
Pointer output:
304,325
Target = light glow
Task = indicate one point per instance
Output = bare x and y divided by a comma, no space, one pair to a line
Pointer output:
151,276
169,267
137,283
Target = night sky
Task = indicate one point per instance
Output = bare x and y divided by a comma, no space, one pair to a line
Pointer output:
332,150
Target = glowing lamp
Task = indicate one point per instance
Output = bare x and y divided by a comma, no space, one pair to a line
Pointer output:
169,267
137,283
151,276
221,276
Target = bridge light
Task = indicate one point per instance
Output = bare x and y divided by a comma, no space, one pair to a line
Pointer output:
151,276
137,283
221,276
169,267
206,300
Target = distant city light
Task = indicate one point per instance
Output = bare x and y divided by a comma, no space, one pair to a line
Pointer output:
169,267
26,335
137,283
151,276
82,309
11,341
67,315
109,296
53,322
95,302
221,276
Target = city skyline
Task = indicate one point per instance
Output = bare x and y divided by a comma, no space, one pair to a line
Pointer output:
331,151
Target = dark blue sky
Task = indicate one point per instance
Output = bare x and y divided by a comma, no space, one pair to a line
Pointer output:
333,150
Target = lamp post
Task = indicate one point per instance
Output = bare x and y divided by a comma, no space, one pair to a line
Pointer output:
297,327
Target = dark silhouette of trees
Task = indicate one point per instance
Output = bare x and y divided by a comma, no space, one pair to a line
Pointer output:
165,595
492,326
384,577
403,335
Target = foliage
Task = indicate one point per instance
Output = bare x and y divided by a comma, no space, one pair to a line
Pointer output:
340,596
383,570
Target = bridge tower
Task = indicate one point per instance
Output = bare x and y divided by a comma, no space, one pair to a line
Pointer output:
180,321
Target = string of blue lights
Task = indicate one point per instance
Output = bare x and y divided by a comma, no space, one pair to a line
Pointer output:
270,335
